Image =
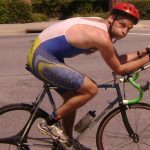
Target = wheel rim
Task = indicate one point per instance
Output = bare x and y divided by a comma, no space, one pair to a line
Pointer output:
113,136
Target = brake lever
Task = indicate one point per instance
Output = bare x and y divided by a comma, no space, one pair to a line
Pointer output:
146,86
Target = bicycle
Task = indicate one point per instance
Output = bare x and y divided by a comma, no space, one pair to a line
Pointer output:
129,120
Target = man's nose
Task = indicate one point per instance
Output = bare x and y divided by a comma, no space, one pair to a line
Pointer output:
124,31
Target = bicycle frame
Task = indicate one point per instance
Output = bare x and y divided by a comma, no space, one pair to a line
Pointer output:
36,104
123,106
107,109
118,99
47,91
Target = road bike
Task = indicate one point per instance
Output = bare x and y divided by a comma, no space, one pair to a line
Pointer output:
125,126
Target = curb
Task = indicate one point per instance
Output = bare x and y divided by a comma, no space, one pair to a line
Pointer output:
33,30
19,29
37,27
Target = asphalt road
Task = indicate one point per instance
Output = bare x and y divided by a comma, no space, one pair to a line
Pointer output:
18,85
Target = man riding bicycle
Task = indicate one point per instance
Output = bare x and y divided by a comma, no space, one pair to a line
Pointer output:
75,36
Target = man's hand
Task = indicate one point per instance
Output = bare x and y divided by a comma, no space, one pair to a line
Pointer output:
148,50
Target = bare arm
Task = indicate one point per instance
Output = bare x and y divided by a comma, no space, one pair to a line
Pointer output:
132,56
115,63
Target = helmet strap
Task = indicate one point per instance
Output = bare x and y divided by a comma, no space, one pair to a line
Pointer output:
110,27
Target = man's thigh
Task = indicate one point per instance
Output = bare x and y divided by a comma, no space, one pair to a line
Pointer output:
60,75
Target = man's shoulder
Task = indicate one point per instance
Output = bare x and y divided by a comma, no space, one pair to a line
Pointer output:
100,34
102,38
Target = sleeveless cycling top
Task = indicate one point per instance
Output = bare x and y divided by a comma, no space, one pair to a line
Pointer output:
53,40
60,28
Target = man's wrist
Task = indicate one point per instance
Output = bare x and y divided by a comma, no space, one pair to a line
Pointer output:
149,56
138,54
148,50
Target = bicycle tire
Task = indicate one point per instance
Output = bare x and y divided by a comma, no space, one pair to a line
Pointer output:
112,134
13,118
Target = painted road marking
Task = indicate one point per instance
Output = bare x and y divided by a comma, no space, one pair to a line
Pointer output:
140,33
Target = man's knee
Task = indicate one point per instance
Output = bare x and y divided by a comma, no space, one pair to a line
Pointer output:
93,89
89,87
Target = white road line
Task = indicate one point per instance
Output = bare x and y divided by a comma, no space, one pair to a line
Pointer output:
142,29
140,33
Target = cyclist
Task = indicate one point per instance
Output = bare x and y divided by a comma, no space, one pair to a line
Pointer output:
75,36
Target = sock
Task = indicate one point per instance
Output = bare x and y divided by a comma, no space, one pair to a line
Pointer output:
53,118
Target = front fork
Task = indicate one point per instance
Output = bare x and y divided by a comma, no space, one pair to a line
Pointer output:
123,109
126,122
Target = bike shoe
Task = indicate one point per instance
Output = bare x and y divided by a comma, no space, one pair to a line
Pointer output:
79,146
59,147
55,132
75,146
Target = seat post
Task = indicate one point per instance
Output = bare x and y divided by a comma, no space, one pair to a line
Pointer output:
47,88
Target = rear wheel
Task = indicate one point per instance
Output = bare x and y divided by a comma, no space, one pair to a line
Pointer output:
13,119
112,134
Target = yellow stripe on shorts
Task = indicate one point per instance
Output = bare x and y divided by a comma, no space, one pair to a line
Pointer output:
31,51
41,65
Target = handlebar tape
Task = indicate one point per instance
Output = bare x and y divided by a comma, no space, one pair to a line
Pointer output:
132,80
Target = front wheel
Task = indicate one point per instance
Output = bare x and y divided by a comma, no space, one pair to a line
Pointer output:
13,119
112,134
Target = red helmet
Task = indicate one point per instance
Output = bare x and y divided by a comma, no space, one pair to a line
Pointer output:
129,9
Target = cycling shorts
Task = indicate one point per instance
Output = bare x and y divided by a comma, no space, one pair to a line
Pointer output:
55,71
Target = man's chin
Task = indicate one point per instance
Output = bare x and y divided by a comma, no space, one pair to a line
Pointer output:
118,37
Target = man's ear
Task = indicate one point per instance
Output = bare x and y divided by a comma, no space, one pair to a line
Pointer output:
111,18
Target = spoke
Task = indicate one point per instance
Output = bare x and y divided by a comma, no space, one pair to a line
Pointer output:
119,120
121,145
145,137
10,147
116,135
118,138
132,146
39,145
124,143
137,119
145,129
138,146
46,140
143,142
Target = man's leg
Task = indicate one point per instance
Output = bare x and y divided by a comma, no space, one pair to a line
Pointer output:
67,78
85,93
73,101
68,127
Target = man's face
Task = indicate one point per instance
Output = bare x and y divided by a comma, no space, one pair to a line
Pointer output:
121,27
